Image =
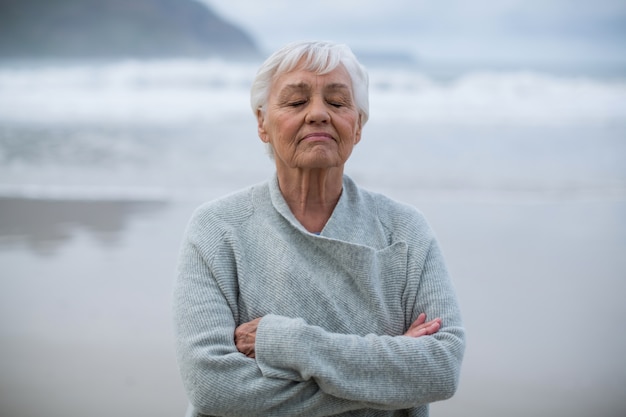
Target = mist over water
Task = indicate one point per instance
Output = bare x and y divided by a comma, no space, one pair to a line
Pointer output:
173,128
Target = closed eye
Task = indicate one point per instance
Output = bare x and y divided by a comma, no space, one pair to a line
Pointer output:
338,100
296,103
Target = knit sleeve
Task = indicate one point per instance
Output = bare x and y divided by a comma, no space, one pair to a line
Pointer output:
218,379
387,371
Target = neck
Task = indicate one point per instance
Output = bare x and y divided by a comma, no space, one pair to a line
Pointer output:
312,195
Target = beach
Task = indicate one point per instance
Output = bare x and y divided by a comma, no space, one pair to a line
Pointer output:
86,325
522,180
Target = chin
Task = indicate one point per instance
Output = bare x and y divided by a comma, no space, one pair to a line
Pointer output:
322,162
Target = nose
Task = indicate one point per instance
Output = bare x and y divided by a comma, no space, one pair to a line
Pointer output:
317,111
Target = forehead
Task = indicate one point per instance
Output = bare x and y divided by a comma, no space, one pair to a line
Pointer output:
304,79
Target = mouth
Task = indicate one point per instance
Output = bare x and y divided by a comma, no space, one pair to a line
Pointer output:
317,136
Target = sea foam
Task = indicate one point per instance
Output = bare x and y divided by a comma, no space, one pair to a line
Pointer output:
183,91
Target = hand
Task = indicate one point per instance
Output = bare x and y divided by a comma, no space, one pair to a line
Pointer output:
245,337
421,327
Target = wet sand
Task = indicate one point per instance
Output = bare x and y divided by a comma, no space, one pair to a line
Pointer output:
85,324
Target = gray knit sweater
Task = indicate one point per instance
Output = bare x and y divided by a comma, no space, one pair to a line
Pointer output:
334,307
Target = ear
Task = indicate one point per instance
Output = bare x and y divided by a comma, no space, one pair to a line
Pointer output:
260,118
357,136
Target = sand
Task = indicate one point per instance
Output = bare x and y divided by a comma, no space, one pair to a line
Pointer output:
85,323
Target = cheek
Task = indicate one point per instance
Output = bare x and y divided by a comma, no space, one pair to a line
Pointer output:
353,130
284,131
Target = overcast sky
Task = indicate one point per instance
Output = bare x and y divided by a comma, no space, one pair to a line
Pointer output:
475,30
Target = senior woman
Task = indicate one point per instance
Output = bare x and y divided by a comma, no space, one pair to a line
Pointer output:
307,295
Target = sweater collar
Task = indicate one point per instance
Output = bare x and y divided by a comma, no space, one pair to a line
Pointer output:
344,210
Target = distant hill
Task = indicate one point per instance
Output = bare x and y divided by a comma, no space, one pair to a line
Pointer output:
117,28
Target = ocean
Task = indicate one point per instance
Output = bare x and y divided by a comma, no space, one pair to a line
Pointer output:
169,129
522,175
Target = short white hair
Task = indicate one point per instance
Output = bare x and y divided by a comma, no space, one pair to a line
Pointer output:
318,57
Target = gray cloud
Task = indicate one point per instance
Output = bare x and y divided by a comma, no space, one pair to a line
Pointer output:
444,29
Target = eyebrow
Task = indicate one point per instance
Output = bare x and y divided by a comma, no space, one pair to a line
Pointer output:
297,87
302,86
337,86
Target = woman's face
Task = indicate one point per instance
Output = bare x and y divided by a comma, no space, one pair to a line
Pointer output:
311,120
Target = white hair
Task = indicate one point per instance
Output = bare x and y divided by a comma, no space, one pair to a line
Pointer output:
317,57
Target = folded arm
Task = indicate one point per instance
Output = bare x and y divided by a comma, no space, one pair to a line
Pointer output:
388,372
385,371
294,368
219,380
245,334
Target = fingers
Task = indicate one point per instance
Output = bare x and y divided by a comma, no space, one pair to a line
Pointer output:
245,344
421,319
422,328
245,337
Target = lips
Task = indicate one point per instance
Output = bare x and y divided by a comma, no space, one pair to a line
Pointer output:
317,136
